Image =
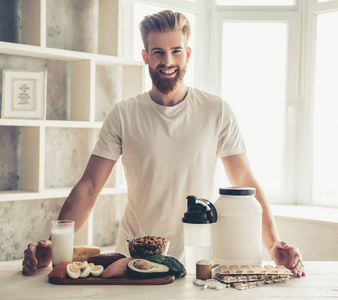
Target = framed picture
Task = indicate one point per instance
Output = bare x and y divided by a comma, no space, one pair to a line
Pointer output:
24,94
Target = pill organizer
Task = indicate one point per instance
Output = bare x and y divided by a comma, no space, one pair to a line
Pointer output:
245,276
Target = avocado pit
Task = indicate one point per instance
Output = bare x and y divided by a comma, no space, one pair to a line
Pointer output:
142,268
143,264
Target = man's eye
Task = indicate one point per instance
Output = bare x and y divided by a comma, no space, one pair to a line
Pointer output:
158,52
177,51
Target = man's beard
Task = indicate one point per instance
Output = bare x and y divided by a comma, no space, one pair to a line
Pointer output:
167,85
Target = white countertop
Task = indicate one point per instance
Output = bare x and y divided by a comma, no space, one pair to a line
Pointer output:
321,282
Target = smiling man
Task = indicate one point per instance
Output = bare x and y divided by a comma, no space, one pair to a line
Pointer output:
169,140
167,63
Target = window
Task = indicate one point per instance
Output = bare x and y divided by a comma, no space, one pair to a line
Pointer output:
256,2
325,143
277,67
253,82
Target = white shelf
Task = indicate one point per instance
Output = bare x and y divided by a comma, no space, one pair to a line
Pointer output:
17,122
45,153
64,55
50,123
54,193
72,124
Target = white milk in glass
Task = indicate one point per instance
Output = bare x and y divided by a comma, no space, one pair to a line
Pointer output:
62,234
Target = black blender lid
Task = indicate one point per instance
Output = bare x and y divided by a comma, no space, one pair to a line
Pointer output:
237,191
198,213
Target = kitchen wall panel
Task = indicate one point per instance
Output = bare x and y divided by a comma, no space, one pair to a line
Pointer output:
23,222
70,25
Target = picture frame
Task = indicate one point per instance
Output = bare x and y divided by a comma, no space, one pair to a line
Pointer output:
24,94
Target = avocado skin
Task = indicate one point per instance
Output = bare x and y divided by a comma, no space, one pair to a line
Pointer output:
144,274
175,266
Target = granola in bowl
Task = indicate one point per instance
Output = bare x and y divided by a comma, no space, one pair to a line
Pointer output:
147,245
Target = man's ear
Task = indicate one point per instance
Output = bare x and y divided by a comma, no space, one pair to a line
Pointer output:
188,53
145,56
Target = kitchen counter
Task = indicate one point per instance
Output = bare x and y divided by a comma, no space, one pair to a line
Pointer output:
321,282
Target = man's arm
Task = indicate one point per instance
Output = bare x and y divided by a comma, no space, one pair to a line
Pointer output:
77,207
83,196
239,173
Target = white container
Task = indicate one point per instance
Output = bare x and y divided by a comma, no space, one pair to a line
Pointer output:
62,234
197,244
237,235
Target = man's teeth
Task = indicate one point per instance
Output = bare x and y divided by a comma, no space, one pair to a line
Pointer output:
168,71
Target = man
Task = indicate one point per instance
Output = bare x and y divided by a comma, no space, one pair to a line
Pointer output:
169,139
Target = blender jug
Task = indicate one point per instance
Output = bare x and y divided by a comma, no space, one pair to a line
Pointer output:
198,221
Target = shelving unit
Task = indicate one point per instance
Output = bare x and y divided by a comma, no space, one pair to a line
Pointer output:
68,139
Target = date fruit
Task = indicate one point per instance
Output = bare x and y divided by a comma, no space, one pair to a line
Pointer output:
105,259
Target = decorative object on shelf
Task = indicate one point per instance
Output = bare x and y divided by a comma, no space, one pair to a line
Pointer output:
24,94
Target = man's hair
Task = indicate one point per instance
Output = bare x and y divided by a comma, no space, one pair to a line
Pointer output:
164,21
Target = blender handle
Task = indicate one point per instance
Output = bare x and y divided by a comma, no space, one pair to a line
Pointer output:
213,211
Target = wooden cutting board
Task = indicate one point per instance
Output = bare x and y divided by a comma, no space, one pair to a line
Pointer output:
112,281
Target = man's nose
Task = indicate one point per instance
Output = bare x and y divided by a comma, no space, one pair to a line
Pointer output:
167,59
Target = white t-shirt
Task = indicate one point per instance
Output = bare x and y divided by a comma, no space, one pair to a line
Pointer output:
167,153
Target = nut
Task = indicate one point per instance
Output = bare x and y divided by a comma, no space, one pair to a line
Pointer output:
146,245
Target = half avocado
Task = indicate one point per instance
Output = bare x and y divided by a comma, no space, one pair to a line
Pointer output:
142,268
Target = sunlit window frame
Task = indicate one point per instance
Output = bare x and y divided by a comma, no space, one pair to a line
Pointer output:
301,20
312,9
290,16
229,3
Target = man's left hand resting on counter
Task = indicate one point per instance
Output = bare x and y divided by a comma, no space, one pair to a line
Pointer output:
288,256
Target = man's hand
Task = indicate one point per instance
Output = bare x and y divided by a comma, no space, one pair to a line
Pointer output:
37,256
288,256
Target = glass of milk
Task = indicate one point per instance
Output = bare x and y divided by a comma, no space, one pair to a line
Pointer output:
62,234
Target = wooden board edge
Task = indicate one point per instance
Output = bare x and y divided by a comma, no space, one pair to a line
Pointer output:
112,281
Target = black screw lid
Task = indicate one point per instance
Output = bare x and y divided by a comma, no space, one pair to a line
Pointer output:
199,213
237,191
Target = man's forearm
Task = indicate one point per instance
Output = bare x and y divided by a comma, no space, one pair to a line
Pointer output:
78,205
83,196
269,229
239,173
